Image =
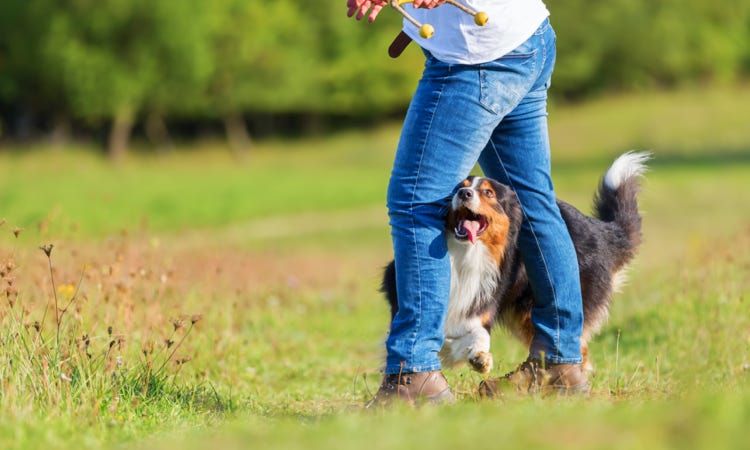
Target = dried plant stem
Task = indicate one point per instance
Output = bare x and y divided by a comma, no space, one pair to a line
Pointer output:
75,293
175,348
48,251
59,313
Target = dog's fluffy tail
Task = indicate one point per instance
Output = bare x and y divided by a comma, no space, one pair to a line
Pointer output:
617,198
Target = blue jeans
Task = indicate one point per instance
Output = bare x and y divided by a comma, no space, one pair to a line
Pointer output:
494,114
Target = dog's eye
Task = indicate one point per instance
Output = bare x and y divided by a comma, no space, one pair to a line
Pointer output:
489,194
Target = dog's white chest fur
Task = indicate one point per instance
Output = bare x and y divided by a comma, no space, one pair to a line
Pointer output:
474,278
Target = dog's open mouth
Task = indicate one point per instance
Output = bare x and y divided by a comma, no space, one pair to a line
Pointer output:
469,225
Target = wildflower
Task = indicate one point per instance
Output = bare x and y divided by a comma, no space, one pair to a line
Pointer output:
47,249
66,290
182,360
17,231
195,318
178,323
7,269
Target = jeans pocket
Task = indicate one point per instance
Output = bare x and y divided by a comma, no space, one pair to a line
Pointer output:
503,83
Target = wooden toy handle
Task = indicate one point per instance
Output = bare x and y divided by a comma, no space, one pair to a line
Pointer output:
427,30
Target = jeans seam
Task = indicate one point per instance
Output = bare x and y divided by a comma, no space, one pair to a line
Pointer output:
542,64
414,226
544,261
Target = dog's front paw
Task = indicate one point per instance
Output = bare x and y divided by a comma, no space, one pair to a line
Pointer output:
481,362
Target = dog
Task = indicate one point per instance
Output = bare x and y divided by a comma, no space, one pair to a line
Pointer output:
489,285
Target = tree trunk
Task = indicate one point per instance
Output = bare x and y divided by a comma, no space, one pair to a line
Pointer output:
237,135
158,134
119,134
314,124
60,135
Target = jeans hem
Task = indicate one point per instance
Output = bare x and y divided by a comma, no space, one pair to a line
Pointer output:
390,370
555,360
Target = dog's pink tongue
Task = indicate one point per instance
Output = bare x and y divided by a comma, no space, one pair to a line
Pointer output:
471,227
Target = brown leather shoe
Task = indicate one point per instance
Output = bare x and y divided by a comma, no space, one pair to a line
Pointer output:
532,376
413,388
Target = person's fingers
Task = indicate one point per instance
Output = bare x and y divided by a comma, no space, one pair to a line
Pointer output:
358,6
374,12
428,4
361,7
363,10
353,5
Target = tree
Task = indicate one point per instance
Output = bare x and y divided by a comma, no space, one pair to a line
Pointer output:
25,81
262,62
117,59
181,43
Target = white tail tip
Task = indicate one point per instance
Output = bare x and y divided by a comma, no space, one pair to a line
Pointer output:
626,166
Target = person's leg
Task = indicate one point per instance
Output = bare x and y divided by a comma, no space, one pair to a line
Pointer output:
442,137
439,145
519,155
545,244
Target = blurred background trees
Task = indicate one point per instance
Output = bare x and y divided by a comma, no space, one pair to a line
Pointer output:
104,68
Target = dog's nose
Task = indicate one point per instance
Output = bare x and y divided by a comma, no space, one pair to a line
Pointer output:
466,193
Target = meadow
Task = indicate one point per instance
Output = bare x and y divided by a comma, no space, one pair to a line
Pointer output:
191,300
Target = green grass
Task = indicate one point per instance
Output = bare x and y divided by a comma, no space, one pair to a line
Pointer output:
88,195
280,256
78,190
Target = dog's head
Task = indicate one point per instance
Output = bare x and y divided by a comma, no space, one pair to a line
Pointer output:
483,210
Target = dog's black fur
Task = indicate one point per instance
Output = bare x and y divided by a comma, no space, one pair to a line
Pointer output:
604,244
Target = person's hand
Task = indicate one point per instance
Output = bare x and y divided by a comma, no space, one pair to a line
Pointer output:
362,6
428,4
374,6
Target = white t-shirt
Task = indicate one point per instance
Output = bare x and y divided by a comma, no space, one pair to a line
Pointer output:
459,40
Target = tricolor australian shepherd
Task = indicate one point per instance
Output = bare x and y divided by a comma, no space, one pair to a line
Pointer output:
488,280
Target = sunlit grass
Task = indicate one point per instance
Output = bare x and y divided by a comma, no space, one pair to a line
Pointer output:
279,256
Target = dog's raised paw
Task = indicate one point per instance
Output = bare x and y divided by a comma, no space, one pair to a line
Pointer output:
481,362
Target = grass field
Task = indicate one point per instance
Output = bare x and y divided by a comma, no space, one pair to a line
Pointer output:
203,301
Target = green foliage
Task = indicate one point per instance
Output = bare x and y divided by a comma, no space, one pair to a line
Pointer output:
114,56
626,44
97,61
